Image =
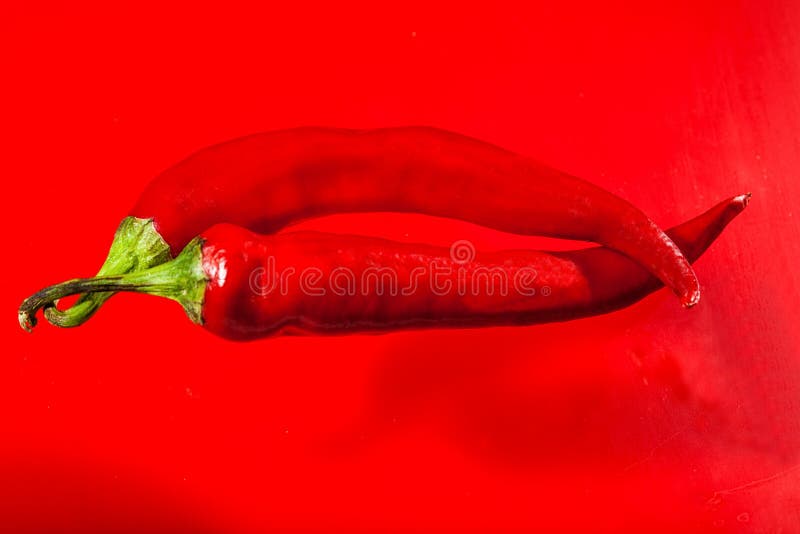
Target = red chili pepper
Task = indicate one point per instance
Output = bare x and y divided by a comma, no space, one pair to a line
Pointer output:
242,285
266,181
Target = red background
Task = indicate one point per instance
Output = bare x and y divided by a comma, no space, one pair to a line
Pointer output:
140,421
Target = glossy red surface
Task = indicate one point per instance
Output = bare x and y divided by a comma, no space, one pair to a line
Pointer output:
318,283
651,417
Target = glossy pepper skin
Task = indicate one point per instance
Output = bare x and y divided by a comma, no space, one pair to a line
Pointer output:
553,286
230,280
266,181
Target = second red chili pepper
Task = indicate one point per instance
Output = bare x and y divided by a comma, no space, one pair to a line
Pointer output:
266,181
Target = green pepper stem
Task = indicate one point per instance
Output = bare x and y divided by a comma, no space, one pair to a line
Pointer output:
182,280
137,246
